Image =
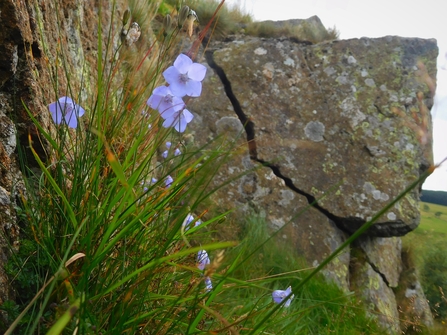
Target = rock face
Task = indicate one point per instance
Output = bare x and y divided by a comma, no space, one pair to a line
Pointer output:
330,125
69,27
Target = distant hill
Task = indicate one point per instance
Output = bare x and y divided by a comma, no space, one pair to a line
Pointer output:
434,197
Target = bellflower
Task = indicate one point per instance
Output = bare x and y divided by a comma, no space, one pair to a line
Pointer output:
65,110
177,152
178,120
188,220
279,295
163,100
184,78
168,181
202,259
208,284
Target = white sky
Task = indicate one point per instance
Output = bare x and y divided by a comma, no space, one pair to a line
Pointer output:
376,18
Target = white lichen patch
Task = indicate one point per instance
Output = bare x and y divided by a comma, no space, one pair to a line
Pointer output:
260,51
391,216
314,131
351,110
371,190
342,80
286,197
329,70
370,82
352,60
289,62
277,222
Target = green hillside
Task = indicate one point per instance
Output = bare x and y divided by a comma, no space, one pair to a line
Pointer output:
433,218
426,249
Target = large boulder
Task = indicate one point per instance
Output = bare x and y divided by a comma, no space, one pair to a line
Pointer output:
331,125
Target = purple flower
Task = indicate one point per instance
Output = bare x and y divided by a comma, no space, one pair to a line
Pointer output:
163,100
65,110
202,259
178,120
177,152
208,284
188,220
184,78
168,145
168,181
279,295
164,154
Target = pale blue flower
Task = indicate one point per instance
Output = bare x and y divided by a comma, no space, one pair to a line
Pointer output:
202,259
164,154
184,78
168,145
208,284
65,110
168,181
177,152
279,295
178,120
163,100
188,220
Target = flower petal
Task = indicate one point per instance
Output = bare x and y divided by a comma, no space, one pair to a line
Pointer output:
71,120
170,122
171,75
65,100
161,90
187,115
154,101
193,88
79,110
183,63
197,72
179,88
55,112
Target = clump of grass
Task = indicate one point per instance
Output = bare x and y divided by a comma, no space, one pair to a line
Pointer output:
230,20
266,263
302,31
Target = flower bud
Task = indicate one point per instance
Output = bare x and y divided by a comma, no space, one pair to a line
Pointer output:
167,23
183,14
126,16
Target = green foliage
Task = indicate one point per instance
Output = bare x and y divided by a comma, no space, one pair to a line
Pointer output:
426,208
302,32
434,278
267,263
427,247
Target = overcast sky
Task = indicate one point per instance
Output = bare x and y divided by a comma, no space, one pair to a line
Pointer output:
353,19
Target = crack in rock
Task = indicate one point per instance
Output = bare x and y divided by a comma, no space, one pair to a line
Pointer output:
250,131
376,270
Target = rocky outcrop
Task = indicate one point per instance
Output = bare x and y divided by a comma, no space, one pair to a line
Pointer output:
329,125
